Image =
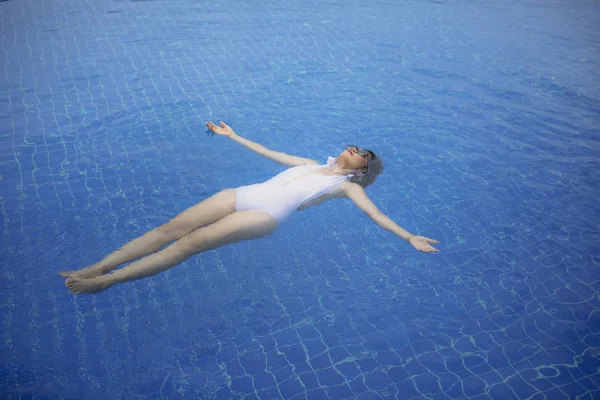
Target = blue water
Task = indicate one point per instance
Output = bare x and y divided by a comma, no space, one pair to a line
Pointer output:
485,114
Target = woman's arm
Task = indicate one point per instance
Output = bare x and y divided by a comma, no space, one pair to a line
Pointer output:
357,194
276,156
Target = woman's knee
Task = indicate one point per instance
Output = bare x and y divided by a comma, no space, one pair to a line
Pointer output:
170,231
185,249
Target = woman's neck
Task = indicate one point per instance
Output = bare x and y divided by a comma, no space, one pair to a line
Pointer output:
340,170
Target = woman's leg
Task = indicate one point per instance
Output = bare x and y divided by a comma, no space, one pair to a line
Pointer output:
241,225
204,213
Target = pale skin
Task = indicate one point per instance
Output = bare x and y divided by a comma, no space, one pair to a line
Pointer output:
214,223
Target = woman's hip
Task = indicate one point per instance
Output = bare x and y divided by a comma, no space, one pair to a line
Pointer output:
254,197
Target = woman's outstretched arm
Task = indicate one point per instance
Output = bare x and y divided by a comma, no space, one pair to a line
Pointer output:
282,158
357,194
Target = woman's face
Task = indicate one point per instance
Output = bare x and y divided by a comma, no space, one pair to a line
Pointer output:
354,160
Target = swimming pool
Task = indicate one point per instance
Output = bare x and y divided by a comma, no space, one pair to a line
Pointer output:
486,117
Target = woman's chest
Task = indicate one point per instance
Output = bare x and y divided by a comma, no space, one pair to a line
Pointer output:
336,193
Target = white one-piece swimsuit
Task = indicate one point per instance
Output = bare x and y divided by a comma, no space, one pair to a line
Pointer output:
283,194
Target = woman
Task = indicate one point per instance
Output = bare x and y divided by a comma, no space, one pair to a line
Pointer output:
246,213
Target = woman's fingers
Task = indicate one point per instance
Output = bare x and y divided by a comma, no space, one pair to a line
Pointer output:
211,126
216,128
421,243
426,248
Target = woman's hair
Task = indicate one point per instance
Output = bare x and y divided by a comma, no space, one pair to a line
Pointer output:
364,179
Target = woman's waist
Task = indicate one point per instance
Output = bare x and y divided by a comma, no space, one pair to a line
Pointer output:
277,191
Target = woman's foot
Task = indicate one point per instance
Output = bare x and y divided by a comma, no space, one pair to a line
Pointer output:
89,272
87,285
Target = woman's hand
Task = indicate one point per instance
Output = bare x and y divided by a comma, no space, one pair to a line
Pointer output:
421,243
223,130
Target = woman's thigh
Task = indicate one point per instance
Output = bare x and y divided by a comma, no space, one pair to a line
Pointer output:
204,213
235,227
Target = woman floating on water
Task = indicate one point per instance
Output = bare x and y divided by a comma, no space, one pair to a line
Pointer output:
246,213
